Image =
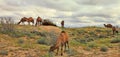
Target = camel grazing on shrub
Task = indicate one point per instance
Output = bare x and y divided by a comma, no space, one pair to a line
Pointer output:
24,19
38,21
108,25
62,41
115,30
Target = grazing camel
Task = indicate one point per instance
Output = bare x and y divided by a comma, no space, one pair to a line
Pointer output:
115,30
108,25
62,23
38,21
24,19
62,41
30,19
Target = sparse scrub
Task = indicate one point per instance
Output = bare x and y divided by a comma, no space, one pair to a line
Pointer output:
20,41
7,25
3,52
104,49
92,45
115,40
87,48
48,38
72,52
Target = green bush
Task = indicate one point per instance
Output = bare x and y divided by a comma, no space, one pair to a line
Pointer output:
42,41
115,40
3,52
48,38
72,52
88,48
104,49
92,45
20,41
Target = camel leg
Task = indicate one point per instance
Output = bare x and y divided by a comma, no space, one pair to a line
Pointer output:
61,49
57,51
65,46
36,23
113,32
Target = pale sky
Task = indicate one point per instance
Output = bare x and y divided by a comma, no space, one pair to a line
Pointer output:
76,13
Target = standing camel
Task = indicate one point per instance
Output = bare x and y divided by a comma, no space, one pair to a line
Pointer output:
108,25
62,23
38,21
115,30
62,41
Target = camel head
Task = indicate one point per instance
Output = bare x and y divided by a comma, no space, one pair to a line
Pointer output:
52,48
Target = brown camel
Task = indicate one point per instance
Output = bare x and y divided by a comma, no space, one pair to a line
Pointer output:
108,25
62,23
62,41
38,21
24,19
115,30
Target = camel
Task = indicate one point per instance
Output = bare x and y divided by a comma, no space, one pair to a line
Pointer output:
38,21
115,30
24,19
62,41
62,23
108,25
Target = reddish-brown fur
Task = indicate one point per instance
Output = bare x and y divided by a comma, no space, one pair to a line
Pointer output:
108,25
38,21
114,29
62,23
24,19
62,41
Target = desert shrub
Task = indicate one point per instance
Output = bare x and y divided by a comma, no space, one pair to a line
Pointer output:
72,52
115,40
47,22
20,41
83,41
98,30
3,52
88,48
48,38
49,54
92,45
42,41
104,49
7,25
92,33
81,31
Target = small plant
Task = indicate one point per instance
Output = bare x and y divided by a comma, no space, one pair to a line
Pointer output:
88,48
92,45
115,40
72,52
104,49
42,41
48,38
3,52
20,41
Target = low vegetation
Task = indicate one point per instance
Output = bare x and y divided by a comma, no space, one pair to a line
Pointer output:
22,39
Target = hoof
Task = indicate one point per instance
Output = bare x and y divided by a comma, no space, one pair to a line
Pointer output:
61,54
